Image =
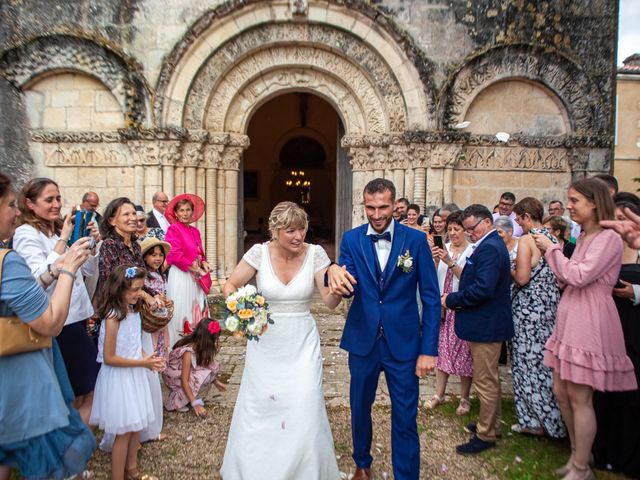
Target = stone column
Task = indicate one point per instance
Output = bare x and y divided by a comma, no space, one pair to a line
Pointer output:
138,184
419,183
220,219
168,180
169,155
201,192
231,165
211,164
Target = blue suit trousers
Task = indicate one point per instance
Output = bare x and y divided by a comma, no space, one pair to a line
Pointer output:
403,389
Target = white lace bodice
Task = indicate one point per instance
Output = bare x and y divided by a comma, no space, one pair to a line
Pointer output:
295,296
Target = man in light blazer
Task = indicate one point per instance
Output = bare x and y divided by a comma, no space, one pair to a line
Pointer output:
383,264
483,318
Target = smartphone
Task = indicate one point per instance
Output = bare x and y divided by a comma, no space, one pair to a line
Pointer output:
619,284
77,220
81,220
437,241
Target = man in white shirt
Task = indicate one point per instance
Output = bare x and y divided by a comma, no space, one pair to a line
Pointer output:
505,209
156,218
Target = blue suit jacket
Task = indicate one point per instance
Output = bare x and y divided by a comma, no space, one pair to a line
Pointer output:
392,304
483,299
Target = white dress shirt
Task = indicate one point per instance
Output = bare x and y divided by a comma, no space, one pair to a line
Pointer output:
477,244
162,220
37,251
383,247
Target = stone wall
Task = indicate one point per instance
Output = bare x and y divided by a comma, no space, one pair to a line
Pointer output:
129,97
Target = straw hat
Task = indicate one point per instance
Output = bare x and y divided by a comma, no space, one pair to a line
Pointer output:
198,207
150,242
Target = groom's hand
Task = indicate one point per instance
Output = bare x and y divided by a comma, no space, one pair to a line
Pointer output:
340,281
425,364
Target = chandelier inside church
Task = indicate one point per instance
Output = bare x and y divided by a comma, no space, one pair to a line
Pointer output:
297,183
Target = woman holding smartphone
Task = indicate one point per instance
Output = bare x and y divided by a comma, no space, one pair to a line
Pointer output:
586,350
41,240
454,356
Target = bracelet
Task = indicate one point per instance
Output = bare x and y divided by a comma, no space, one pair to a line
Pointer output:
67,272
197,402
50,272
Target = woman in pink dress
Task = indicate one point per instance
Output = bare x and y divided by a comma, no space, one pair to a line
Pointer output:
586,349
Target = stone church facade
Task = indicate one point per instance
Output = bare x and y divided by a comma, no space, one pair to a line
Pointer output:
130,97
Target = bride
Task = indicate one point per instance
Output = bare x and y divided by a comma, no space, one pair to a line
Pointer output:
280,428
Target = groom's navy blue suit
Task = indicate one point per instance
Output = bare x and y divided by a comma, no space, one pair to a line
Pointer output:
384,332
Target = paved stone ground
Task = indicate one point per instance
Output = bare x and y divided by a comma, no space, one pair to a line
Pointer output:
195,447
336,370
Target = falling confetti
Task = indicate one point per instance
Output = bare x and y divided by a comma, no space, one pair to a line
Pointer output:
443,468
282,424
189,438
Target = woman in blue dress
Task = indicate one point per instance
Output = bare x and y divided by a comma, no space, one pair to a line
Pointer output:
42,435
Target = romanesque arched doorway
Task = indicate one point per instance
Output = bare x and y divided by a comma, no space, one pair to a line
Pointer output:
293,155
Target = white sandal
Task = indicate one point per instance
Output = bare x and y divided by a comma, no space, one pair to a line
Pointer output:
434,402
464,407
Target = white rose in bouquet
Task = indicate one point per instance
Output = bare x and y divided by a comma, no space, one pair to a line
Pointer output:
231,324
254,328
250,290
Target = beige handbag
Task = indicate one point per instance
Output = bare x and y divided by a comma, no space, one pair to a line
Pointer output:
15,335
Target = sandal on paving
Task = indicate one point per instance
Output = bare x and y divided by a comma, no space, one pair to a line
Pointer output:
134,474
464,407
434,402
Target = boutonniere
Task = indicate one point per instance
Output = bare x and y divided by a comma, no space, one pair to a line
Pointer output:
405,262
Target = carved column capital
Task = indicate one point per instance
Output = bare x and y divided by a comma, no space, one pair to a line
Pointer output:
445,155
231,158
192,154
144,152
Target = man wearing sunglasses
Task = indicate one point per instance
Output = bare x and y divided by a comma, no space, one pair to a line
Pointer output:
483,318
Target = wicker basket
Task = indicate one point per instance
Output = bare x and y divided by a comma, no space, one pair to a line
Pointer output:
151,322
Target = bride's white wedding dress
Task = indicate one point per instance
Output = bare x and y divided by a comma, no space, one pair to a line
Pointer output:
280,429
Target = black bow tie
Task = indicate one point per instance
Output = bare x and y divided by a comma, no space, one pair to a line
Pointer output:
380,236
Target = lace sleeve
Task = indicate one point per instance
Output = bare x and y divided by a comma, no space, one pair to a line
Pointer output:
254,256
320,259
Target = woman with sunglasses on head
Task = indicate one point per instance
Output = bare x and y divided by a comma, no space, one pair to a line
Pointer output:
41,239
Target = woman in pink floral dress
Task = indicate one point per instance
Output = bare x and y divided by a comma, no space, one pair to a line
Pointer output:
586,349
454,356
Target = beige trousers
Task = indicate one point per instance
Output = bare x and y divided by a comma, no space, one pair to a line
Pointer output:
487,384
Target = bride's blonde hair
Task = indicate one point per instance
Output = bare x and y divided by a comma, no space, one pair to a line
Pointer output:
286,214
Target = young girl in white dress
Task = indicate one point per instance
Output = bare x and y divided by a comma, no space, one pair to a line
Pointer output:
123,405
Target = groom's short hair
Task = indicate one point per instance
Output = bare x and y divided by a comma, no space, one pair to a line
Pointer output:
380,185
478,211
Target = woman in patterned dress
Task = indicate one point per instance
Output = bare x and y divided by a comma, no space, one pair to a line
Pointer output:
454,356
535,299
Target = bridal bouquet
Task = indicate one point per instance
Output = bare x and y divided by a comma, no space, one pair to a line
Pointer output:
245,313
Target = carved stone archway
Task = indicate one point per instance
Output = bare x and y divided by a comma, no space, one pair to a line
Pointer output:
231,63
587,111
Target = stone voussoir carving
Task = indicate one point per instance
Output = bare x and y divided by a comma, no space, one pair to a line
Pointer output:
587,110
316,47
61,52
424,66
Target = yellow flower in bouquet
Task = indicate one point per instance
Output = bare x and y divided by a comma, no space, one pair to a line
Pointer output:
245,313
232,304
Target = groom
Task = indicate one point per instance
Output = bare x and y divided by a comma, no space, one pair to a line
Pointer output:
383,264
